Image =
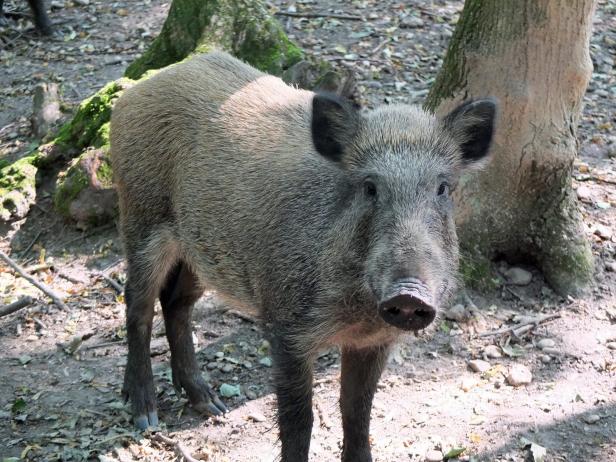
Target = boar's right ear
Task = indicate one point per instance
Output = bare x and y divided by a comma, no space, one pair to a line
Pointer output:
334,125
472,125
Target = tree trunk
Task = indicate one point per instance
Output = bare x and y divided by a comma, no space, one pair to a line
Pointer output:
533,56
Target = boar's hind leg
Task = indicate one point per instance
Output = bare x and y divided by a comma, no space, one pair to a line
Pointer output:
177,298
293,383
138,379
360,373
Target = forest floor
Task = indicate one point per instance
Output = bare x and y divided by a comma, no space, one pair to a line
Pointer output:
61,371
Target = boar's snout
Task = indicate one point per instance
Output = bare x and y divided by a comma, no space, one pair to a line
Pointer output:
409,305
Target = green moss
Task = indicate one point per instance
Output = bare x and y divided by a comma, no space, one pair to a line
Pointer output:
477,272
89,126
68,186
17,187
105,173
243,28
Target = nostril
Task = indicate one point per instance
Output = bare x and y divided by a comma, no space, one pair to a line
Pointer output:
393,310
422,313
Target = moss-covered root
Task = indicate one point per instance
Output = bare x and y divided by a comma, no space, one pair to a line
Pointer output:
243,28
90,125
565,256
84,191
17,188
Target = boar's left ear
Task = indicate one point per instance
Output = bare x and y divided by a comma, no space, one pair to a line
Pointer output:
472,125
334,125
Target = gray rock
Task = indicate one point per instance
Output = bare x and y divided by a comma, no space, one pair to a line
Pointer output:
457,313
412,22
434,456
546,343
492,351
518,276
519,375
478,365
604,232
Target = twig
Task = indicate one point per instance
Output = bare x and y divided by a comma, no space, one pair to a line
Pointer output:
38,267
517,329
349,17
16,305
380,46
105,344
92,232
29,246
40,323
179,448
112,282
70,278
39,285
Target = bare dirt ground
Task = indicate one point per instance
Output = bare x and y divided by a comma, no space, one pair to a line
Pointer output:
61,371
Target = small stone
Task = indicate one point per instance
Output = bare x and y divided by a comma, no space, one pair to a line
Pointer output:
551,351
610,266
256,417
478,365
546,343
467,384
584,193
604,232
493,352
81,2
545,359
611,345
592,419
212,365
266,361
603,205
434,456
251,394
519,375
518,276
412,22
457,313
227,390
228,368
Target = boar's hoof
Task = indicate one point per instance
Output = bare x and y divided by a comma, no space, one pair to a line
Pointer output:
408,309
143,422
216,407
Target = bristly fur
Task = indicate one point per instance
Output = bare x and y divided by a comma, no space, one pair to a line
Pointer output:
221,176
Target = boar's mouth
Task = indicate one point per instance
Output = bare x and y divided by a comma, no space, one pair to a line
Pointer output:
409,306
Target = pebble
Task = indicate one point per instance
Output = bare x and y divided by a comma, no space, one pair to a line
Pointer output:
492,351
545,343
434,456
467,384
611,345
545,359
551,351
592,419
604,232
584,193
456,313
227,368
518,276
256,416
212,365
478,365
412,21
610,266
519,375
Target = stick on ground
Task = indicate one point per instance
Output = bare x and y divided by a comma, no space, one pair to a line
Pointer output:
57,299
517,329
179,448
16,305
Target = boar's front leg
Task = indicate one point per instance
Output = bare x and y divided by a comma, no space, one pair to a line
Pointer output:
360,373
293,384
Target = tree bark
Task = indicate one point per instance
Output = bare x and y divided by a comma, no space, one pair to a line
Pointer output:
533,56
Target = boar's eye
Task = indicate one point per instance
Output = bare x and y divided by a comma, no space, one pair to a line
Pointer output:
369,189
443,189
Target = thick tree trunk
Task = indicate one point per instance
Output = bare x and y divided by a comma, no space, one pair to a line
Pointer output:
533,55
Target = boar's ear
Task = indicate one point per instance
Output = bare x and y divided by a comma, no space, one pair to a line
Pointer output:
472,125
334,125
